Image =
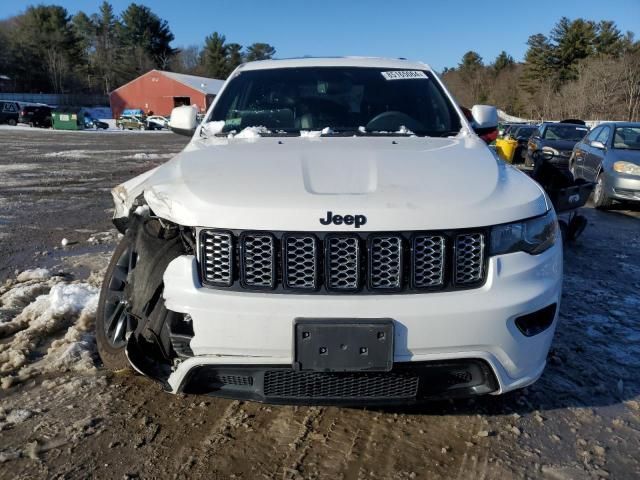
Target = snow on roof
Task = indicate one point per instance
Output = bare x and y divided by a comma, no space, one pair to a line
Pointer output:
202,84
397,63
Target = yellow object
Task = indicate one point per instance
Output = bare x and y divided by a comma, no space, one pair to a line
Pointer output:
506,147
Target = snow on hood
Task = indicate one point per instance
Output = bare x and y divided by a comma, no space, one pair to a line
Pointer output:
288,183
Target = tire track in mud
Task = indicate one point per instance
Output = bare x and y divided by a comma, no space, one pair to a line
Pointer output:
218,435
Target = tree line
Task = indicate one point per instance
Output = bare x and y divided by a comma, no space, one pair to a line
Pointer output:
581,69
48,50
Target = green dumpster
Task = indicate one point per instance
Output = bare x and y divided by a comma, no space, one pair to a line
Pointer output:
67,119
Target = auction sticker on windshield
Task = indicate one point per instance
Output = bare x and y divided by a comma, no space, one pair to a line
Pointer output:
404,74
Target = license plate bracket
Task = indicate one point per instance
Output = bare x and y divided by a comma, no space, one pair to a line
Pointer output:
343,345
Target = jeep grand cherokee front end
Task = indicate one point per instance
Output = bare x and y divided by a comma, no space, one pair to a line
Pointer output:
335,232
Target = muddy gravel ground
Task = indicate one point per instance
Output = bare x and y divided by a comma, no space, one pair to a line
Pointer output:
63,416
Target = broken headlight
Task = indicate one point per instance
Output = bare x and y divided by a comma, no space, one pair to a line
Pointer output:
533,236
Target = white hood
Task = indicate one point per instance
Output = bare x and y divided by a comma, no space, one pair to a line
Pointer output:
289,183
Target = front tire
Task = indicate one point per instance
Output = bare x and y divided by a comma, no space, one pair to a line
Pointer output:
112,318
600,198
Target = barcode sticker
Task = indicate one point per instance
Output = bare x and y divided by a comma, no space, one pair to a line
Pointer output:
404,74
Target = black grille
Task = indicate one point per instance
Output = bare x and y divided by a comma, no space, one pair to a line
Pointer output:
343,263
469,258
310,385
385,257
217,257
258,260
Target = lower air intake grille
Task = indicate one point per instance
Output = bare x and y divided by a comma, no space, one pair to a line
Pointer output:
310,385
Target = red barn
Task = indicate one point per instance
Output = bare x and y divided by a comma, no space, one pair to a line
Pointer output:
159,92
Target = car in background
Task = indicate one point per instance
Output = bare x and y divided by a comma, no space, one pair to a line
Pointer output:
157,122
507,128
131,122
521,133
36,115
90,122
554,142
610,157
9,112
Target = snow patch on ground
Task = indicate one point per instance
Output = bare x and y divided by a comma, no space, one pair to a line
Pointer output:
150,156
50,307
69,154
35,274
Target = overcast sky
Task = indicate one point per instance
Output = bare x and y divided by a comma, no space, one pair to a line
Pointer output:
437,32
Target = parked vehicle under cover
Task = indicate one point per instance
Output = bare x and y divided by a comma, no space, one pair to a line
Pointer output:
335,232
610,157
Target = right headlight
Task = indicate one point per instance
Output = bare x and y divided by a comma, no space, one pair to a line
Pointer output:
627,167
548,153
533,236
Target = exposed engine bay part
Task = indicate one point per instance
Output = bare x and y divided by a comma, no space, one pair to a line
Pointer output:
132,296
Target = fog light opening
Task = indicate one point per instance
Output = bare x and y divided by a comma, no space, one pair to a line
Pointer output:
536,322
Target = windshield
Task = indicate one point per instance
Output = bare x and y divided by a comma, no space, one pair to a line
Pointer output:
565,132
627,138
335,100
524,132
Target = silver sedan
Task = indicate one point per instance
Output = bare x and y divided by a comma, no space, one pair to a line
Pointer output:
610,157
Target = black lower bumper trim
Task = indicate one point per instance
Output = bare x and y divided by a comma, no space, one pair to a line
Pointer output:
406,383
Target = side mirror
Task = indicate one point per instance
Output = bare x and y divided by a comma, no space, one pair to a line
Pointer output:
183,120
598,145
485,116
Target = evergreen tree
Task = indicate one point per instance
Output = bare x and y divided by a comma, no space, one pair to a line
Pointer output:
608,40
234,56
502,61
147,38
214,56
260,51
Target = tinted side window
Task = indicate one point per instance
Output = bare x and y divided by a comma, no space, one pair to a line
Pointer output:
604,135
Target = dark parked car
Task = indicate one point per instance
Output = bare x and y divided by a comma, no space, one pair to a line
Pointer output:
521,134
554,142
36,115
9,112
610,156
90,122
507,128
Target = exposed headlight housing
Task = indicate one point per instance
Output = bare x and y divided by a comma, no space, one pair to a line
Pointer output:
549,152
627,167
532,236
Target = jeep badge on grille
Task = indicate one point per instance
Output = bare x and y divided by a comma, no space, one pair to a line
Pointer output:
356,220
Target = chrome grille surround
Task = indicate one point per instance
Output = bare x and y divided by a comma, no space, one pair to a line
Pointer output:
469,258
429,257
343,263
300,256
217,257
257,260
385,262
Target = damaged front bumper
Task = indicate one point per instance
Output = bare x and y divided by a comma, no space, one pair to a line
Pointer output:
447,344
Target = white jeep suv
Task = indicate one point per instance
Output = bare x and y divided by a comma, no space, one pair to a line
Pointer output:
335,232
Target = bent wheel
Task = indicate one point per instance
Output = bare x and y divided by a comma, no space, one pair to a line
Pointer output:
112,317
